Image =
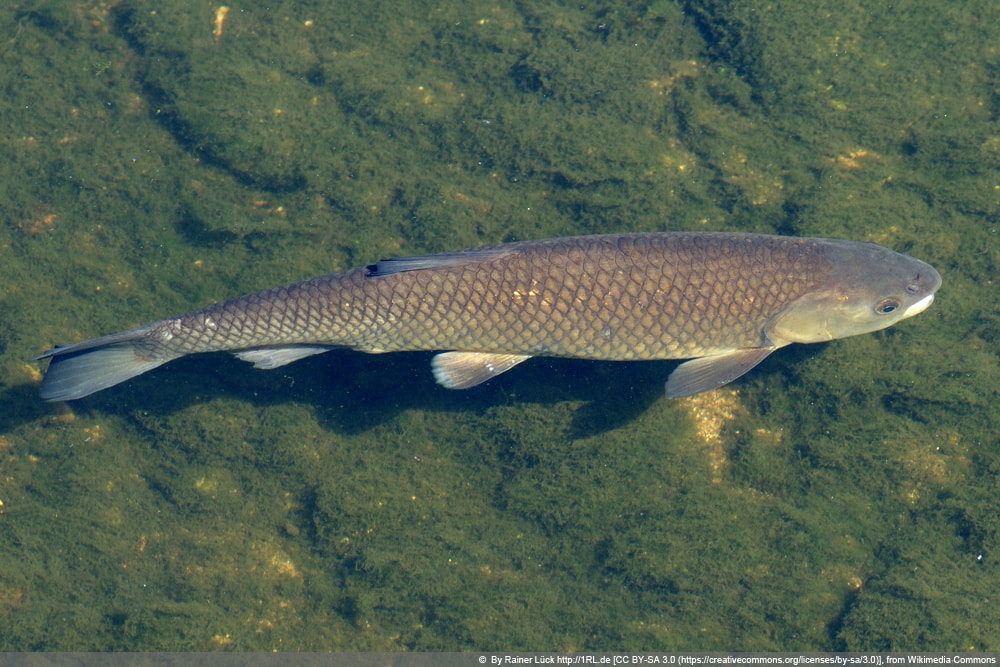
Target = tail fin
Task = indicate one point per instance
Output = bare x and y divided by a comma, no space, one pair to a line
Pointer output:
82,369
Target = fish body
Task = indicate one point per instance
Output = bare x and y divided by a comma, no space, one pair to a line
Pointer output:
724,300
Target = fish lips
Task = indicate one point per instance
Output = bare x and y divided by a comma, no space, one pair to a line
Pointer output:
919,306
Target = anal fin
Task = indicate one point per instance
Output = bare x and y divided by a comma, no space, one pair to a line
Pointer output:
273,357
704,373
462,370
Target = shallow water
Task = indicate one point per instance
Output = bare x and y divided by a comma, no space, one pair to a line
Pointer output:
840,497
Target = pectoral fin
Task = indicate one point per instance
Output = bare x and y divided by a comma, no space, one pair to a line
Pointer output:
698,375
461,370
273,357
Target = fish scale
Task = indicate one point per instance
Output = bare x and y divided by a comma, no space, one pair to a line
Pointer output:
549,301
725,299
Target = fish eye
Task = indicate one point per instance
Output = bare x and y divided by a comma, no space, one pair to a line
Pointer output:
887,306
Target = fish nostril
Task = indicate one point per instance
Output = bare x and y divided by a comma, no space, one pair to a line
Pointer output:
913,287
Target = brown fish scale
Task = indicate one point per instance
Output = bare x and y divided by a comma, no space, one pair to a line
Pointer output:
606,297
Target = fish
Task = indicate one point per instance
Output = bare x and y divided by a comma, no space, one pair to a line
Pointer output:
725,301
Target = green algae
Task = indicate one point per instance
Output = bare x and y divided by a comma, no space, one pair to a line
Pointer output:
346,503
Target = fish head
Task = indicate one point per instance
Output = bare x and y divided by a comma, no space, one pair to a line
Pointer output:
865,287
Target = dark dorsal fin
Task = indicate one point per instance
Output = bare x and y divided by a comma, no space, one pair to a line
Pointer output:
387,267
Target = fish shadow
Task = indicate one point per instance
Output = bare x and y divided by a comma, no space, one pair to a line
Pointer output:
352,392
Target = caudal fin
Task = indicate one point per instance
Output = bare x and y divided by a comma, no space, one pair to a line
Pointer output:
82,369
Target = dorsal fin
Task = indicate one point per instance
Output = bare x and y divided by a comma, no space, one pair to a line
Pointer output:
387,267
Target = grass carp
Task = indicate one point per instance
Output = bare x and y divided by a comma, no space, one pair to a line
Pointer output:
723,300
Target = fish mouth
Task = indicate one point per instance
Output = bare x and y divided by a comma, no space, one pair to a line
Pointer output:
919,306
